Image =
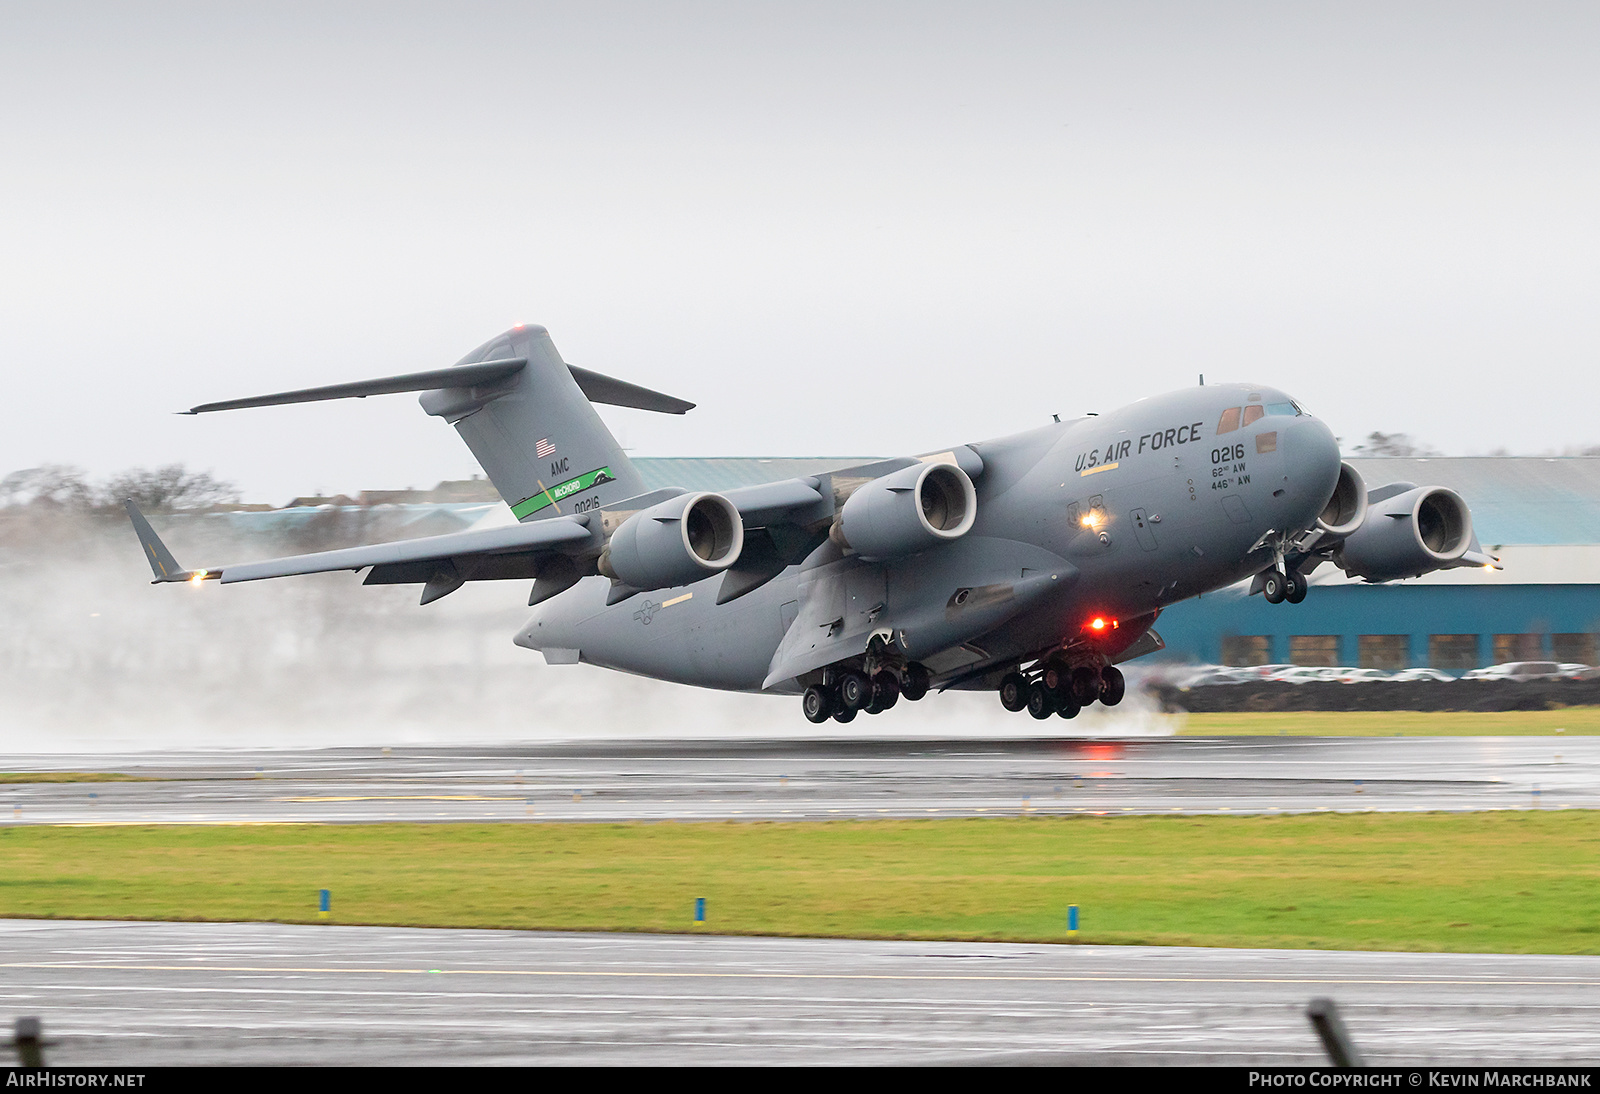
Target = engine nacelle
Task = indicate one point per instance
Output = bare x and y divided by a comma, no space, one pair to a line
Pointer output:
677,542
909,511
1348,507
1423,529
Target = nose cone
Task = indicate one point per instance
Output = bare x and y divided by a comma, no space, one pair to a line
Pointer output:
1311,462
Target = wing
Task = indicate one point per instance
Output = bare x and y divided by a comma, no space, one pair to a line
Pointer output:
442,563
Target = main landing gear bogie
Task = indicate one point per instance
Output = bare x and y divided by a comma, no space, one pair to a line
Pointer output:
1060,690
853,692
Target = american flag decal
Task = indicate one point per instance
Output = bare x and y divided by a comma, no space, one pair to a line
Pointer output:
544,448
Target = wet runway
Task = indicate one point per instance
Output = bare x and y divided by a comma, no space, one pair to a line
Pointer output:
187,993
816,779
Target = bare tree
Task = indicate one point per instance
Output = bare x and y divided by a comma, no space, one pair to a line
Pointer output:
166,489
53,486
1394,444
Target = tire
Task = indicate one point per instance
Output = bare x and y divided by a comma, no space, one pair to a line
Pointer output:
855,691
1272,586
1069,706
1295,587
843,715
1112,686
914,684
1085,685
817,704
885,690
1056,675
1014,692
1041,701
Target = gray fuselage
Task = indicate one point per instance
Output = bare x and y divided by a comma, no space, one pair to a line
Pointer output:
1121,514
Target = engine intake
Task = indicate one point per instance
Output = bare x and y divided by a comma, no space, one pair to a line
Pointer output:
909,511
1423,529
677,542
1348,507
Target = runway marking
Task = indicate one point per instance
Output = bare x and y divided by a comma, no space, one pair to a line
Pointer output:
406,798
636,975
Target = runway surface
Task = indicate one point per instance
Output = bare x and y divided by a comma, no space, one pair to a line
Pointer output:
139,994
816,779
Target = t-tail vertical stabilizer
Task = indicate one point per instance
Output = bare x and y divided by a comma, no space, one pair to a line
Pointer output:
527,416
535,432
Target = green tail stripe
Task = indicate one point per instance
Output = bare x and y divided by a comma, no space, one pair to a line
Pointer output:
528,506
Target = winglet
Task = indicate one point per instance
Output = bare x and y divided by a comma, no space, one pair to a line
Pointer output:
162,564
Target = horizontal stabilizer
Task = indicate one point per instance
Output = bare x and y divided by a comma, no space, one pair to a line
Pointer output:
487,372
595,387
604,389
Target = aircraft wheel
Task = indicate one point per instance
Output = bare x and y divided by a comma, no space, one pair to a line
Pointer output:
817,704
1013,692
1295,585
1273,586
1041,701
843,714
1112,686
884,694
1085,685
914,683
1068,707
855,691
1056,675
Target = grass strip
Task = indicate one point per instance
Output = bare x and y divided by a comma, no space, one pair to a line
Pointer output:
71,777
1570,721
1525,882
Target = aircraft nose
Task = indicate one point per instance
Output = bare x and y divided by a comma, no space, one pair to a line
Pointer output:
1311,456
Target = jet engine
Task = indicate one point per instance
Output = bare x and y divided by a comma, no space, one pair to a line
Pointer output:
911,510
1348,507
1406,535
677,542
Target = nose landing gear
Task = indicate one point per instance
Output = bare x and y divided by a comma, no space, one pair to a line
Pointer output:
1278,586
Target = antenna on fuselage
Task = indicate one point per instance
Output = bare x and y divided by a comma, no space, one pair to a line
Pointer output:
1202,379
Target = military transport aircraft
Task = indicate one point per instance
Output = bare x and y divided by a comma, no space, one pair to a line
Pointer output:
1031,564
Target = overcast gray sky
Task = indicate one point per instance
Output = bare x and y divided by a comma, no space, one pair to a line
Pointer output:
841,229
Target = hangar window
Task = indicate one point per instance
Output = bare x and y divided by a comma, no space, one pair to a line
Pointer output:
1229,420
1382,651
1246,649
1573,648
1518,647
1453,651
1315,650
1252,413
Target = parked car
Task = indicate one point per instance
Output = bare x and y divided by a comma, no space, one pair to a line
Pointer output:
1362,676
1305,674
1219,674
1518,671
1412,676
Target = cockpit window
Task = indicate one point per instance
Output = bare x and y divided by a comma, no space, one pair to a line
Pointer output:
1287,410
1229,420
1252,413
